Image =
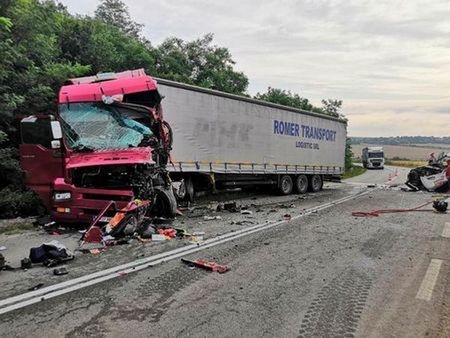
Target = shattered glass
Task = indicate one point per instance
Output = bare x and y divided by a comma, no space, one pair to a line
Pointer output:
90,126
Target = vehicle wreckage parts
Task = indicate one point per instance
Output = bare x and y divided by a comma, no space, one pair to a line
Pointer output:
186,190
55,290
165,204
414,181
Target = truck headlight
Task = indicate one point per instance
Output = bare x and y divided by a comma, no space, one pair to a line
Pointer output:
62,196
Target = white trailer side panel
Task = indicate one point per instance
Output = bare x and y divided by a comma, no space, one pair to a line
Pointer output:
214,133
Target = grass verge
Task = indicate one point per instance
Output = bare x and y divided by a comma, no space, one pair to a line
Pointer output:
16,227
355,170
405,163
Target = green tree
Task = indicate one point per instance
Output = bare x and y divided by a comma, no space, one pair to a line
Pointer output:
286,98
115,13
332,107
348,154
201,63
103,47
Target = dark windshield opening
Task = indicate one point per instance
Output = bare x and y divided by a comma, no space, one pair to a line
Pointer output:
376,155
90,126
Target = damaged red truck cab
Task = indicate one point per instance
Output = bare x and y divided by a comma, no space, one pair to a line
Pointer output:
107,142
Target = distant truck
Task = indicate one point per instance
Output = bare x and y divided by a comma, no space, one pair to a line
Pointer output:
225,141
373,157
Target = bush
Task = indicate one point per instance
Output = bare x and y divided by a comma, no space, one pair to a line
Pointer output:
19,203
15,198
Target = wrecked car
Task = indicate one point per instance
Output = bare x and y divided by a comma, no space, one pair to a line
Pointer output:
430,177
107,142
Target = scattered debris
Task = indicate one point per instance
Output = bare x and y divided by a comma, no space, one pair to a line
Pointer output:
158,237
440,206
143,240
113,242
95,251
38,286
211,266
196,240
2,262
93,235
60,271
170,233
231,207
242,222
147,233
50,254
26,264
211,218
182,232
285,206
49,224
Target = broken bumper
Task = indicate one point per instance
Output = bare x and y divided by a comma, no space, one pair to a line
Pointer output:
84,203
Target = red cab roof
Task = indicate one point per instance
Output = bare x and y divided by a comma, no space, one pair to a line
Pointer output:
92,88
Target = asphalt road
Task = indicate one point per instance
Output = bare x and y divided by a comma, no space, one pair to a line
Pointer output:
388,175
326,274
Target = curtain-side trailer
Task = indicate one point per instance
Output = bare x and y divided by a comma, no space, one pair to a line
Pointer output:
223,140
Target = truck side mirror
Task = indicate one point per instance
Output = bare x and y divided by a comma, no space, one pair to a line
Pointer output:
56,130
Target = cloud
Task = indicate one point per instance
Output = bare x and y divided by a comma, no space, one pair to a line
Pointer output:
384,59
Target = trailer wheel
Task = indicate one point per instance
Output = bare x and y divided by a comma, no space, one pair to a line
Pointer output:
315,183
165,203
285,185
301,184
186,191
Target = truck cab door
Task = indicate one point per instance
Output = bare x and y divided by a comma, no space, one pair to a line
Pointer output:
41,155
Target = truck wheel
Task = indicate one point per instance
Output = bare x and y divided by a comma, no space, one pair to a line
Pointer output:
315,183
301,184
286,185
165,203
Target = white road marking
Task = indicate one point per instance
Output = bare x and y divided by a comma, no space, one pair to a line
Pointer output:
446,230
32,297
429,280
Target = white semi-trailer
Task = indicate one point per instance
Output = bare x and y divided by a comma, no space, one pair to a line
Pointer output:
223,140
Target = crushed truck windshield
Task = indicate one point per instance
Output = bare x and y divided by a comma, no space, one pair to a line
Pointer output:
91,126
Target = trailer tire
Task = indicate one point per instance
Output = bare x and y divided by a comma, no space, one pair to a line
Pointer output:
186,190
315,183
165,204
301,184
285,185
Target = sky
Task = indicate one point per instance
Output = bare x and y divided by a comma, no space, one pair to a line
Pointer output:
388,60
